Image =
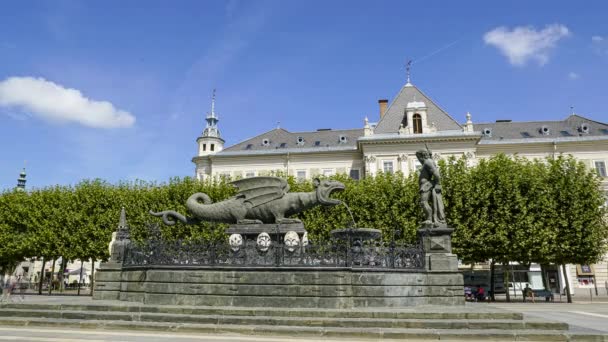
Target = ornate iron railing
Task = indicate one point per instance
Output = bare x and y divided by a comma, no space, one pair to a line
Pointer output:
332,254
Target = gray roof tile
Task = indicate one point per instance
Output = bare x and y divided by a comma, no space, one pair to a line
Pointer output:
280,139
570,127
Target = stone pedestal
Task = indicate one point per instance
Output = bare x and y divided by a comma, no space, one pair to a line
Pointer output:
437,245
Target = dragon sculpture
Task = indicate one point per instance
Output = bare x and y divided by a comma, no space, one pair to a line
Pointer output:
259,200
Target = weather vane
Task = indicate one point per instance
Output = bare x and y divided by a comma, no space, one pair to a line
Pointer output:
408,67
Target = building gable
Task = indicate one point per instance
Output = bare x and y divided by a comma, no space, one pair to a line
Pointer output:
393,117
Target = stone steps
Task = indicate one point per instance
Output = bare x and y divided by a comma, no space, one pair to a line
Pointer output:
318,332
420,313
287,321
432,323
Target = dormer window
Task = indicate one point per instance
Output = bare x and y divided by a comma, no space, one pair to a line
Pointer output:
584,128
265,142
544,130
417,123
343,139
300,141
487,132
249,146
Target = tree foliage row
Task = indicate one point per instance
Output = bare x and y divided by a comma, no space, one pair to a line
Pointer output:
503,208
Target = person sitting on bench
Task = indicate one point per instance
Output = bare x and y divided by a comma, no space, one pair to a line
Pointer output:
480,295
528,293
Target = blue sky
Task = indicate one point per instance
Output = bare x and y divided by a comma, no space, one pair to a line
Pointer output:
119,89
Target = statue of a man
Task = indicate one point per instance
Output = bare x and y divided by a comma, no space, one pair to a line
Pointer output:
430,191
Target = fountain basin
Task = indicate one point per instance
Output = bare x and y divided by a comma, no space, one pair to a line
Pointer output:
354,234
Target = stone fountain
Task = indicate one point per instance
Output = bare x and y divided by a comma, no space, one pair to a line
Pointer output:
268,261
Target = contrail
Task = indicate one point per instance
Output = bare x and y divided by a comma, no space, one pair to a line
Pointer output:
435,52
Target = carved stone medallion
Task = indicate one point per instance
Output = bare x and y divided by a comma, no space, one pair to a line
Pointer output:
263,242
292,240
235,241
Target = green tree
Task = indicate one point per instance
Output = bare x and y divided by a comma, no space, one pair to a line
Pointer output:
574,213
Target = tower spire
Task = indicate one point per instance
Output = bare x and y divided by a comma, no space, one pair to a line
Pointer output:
213,103
212,130
21,180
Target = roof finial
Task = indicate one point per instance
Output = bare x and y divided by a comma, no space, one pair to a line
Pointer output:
408,67
571,110
213,104
278,124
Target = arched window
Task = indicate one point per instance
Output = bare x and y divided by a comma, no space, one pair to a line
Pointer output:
417,123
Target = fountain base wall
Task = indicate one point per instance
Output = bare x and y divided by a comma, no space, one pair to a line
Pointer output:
346,288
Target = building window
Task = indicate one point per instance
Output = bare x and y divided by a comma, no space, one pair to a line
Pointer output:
328,172
249,174
354,174
212,147
204,147
265,142
600,167
417,123
301,175
387,166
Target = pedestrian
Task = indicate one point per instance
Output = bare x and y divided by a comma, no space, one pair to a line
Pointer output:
8,289
22,287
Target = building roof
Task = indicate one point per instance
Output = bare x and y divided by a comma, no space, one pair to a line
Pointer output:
395,112
574,126
280,139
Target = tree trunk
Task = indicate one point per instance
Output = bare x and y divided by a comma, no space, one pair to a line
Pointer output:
51,282
492,287
568,294
80,278
61,273
506,273
92,275
40,281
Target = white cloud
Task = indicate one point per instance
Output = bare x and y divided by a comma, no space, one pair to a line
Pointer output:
51,101
525,43
599,45
573,76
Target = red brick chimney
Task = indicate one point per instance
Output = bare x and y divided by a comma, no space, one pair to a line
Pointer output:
383,104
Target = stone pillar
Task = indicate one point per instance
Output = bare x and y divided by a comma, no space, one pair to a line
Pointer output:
108,276
437,245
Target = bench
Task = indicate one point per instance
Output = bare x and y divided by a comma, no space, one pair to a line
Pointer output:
542,293
548,295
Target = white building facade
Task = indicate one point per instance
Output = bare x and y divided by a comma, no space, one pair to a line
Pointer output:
408,123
